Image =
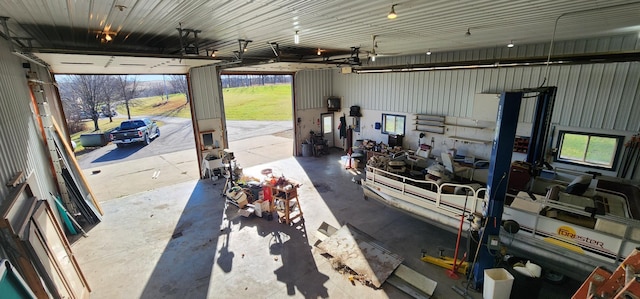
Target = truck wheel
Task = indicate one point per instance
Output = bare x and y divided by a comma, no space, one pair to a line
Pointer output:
146,139
119,145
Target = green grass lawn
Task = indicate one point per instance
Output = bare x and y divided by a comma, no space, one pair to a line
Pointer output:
269,102
176,106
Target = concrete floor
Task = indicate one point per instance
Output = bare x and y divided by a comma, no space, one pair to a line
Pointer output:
181,241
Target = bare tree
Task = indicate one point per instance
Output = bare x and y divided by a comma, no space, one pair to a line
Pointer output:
127,90
90,90
179,84
111,96
159,89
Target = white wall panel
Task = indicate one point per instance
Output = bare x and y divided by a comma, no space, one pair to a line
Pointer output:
604,96
311,88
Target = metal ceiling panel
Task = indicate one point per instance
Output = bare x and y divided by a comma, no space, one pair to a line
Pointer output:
332,26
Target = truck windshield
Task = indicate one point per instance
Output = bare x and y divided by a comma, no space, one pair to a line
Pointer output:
128,125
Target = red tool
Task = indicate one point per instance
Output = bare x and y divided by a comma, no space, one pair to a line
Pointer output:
452,273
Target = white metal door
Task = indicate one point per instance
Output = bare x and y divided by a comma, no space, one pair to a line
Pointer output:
327,128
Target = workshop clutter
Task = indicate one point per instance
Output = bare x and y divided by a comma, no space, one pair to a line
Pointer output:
237,196
265,196
381,147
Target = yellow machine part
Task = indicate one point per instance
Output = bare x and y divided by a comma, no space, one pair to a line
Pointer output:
447,263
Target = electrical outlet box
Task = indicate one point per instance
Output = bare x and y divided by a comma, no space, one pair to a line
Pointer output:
493,242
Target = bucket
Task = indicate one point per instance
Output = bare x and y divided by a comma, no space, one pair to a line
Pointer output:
526,280
307,150
497,284
345,162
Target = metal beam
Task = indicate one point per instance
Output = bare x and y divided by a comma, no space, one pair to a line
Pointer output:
501,152
540,129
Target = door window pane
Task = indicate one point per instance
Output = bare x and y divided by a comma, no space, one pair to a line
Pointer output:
326,124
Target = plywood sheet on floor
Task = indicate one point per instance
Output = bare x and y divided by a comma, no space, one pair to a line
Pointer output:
361,253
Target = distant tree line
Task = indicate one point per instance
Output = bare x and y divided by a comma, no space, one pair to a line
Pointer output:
229,81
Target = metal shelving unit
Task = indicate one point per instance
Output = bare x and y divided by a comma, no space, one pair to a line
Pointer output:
429,123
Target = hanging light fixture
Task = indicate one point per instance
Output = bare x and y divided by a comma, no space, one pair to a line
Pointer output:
108,37
373,57
296,38
510,44
319,52
429,52
392,14
468,33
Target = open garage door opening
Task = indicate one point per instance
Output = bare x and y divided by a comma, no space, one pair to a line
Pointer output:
259,117
130,133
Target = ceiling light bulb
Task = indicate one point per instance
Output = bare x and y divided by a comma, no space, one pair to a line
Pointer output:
510,44
392,14
319,52
296,38
429,52
108,37
373,58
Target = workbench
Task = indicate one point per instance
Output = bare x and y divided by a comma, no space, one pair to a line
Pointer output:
285,202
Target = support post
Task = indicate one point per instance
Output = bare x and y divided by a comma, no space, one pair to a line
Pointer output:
540,129
501,152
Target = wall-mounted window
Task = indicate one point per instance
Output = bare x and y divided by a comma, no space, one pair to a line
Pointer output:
589,149
393,124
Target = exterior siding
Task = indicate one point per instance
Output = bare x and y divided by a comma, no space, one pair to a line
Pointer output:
206,92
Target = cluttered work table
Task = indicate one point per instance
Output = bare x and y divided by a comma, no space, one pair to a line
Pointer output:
260,197
284,198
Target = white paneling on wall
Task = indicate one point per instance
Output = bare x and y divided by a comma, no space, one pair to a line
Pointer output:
312,88
601,96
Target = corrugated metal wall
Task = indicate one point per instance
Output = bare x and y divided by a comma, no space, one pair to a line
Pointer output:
312,87
205,89
602,96
21,144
